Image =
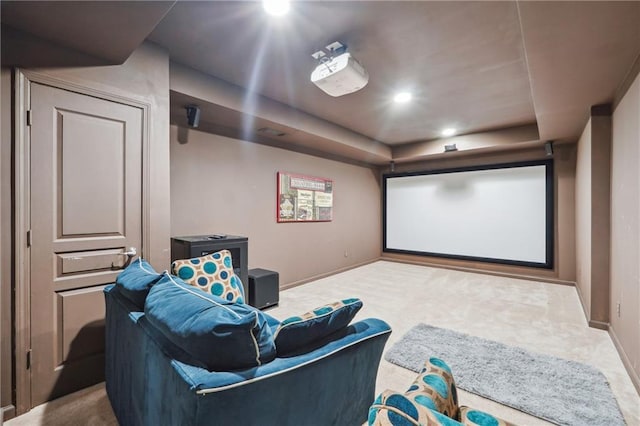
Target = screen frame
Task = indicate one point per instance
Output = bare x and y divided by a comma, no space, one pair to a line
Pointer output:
549,213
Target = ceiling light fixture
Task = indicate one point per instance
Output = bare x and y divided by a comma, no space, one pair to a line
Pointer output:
449,131
276,7
402,97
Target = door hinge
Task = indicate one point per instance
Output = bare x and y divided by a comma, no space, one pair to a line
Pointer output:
29,118
29,238
29,359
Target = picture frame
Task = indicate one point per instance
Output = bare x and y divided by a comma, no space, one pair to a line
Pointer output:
303,198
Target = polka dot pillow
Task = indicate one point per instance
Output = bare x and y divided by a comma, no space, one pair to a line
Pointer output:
431,400
473,417
435,388
395,409
299,331
213,274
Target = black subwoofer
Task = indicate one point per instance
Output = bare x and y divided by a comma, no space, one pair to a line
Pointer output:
264,290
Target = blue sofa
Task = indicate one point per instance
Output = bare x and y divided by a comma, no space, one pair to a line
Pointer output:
330,382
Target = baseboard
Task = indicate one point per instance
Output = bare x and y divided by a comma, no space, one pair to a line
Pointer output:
327,274
592,323
635,378
481,271
585,310
8,412
599,324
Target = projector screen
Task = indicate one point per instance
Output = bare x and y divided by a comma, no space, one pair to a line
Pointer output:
501,213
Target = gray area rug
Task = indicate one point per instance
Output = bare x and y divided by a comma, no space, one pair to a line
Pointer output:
557,390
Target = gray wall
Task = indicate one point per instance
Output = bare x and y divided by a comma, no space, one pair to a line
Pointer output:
223,185
625,229
583,219
5,238
593,216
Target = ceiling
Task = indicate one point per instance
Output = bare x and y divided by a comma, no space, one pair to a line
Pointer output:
107,31
475,66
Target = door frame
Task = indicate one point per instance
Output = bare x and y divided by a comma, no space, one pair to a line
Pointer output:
22,209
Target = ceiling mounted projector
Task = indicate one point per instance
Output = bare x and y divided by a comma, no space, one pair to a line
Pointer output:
339,75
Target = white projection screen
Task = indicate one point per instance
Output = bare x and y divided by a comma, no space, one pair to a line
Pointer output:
501,213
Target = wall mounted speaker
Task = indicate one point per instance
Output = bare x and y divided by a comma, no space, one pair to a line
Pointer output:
548,149
193,115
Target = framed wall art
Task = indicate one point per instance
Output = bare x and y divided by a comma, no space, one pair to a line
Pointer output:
304,198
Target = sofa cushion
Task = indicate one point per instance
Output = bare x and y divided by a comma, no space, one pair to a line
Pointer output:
217,334
135,281
298,331
212,273
435,388
395,409
473,417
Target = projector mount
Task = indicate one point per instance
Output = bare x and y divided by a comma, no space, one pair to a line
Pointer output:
335,49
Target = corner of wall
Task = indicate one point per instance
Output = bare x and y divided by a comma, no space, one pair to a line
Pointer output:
6,142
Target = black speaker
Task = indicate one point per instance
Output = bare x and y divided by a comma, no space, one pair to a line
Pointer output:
193,115
548,149
264,288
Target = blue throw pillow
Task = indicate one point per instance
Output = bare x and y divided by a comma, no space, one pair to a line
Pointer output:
298,331
135,281
219,335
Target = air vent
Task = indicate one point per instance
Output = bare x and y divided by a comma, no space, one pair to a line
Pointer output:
271,132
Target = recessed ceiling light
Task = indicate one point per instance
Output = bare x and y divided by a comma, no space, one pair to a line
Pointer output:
402,97
276,7
449,131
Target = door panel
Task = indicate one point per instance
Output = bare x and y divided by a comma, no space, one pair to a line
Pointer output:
89,261
77,309
81,243
86,209
98,208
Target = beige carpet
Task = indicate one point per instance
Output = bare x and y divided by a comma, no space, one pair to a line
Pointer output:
540,317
